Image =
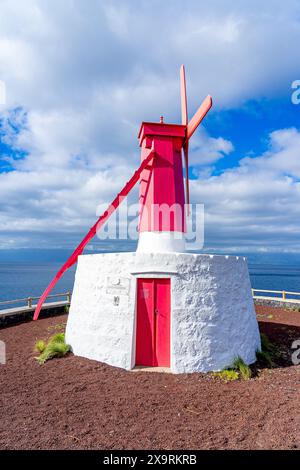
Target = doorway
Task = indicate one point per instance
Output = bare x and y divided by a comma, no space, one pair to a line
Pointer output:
153,322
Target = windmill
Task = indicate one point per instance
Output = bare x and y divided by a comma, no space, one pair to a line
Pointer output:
161,306
160,167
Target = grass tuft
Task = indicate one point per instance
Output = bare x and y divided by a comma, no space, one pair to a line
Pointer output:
238,369
40,346
227,375
58,338
56,347
242,368
266,344
264,357
268,353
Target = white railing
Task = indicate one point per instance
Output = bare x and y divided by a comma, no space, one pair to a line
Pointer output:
276,295
28,301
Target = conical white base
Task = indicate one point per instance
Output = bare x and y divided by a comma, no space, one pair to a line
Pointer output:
212,312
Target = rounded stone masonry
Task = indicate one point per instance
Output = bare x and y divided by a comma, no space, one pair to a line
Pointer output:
212,316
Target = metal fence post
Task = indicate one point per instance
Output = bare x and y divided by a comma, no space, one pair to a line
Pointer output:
283,295
69,297
29,302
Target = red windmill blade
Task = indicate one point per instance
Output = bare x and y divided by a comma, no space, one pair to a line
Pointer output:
184,121
191,126
198,116
184,111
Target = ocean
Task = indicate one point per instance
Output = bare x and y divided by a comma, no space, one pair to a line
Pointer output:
28,273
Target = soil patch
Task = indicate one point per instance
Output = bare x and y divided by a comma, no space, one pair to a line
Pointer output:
76,403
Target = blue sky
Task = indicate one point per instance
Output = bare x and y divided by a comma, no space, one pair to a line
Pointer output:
81,76
250,125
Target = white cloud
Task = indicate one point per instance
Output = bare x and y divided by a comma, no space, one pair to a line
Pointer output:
57,53
256,204
205,150
85,74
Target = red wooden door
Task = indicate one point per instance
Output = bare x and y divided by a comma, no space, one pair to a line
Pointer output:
153,322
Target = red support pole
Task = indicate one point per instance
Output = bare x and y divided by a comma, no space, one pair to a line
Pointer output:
92,232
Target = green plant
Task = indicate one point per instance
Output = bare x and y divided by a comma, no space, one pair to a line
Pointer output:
242,368
238,369
56,347
58,338
265,357
40,346
228,375
266,344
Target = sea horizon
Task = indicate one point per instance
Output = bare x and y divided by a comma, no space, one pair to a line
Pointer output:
27,272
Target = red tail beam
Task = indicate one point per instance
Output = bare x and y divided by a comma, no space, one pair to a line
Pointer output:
199,116
100,222
187,184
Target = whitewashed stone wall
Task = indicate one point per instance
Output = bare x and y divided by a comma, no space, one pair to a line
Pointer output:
212,312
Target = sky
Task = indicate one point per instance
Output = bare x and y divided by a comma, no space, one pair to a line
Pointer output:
81,76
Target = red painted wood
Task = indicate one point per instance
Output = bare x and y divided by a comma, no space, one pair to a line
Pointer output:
184,110
198,116
162,315
145,323
153,322
162,191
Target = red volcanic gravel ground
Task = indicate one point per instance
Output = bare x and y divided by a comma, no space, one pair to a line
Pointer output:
75,403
